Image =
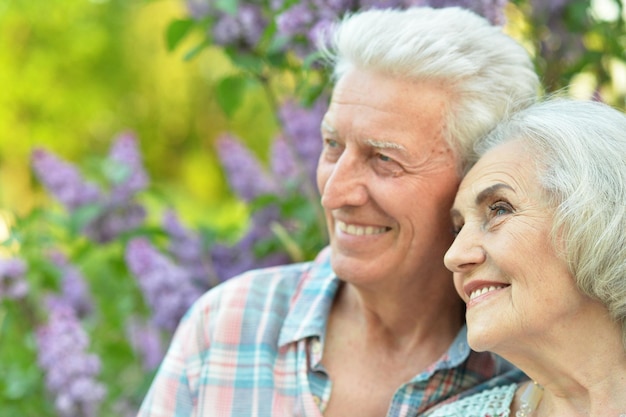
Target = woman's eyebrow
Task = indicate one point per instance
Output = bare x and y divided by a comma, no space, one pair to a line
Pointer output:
490,191
482,196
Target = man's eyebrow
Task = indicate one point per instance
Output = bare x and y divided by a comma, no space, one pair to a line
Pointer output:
384,144
325,126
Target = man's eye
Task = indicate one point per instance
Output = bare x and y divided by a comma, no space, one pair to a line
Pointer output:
456,230
331,143
384,158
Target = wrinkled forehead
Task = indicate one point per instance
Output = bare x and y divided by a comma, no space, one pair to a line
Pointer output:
511,163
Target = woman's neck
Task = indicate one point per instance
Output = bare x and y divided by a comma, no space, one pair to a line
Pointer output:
582,369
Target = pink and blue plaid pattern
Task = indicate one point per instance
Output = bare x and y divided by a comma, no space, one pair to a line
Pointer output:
251,347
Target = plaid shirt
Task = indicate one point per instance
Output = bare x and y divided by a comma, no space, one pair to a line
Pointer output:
251,347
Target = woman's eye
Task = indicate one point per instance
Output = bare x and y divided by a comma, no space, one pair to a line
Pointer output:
456,230
500,208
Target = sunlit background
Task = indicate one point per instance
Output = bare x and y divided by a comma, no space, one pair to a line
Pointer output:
73,73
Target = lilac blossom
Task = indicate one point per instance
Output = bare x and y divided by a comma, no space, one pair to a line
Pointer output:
116,212
294,20
13,284
167,287
245,174
301,136
74,291
305,21
64,181
119,213
198,9
283,162
145,339
249,22
242,29
302,22
387,4
115,220
229,261
548,7
126,161
492,10
188,249
559,45
70,372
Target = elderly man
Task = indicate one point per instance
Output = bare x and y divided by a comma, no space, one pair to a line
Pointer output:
372,326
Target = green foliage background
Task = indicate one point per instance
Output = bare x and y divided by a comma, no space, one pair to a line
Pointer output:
73,73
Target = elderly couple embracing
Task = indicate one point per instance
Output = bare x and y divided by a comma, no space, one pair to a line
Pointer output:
477,255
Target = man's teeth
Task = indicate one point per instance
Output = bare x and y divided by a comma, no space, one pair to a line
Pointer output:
484,290
359,230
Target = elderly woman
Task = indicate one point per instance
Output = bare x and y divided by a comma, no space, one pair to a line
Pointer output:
540,260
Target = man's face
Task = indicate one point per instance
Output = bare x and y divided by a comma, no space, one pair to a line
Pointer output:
387,179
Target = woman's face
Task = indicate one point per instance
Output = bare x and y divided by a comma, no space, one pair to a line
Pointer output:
505,267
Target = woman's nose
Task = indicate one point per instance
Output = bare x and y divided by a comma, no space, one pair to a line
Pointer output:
466,252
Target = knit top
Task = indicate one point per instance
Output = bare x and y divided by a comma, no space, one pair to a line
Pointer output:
495,402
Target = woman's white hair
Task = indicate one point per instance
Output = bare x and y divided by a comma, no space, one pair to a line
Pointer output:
484,72
580,151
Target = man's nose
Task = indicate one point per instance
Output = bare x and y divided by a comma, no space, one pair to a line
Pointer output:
345,183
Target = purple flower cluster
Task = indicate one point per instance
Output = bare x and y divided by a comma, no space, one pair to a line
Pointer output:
299,146
145,339
116,211
229,261
246,175
560,44
114,220
167,287
64,181
303,22
128,176
492,10
13,284
70,371
293,158
74,291
242,29
189,251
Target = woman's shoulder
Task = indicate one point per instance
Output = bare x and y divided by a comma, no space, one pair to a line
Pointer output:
494,402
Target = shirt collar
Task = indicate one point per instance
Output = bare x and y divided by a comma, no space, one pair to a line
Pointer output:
312,301
457,353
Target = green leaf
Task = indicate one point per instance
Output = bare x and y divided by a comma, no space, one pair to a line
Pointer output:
311,59
82,216
115,171
228,6
229,93
20,382
247,62
190,54
176,32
